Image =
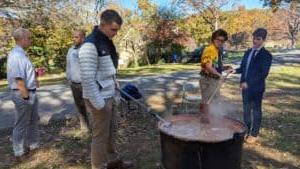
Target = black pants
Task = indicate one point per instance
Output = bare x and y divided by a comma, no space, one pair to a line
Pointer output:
77,94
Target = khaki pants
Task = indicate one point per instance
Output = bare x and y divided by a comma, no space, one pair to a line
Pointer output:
102,146
207,86
26,131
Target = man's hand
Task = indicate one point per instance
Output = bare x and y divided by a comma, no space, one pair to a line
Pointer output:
222,78
21,86
117,85
244,86
25,94
230,70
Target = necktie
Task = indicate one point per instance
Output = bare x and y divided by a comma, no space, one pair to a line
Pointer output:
252,55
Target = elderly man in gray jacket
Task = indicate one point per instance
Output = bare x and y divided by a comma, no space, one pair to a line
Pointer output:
22,82
98,64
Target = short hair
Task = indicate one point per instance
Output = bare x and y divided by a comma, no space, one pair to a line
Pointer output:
260,32
19,33
81,32
219,32
110,16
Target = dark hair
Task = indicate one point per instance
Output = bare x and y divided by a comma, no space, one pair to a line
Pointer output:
260,32
219,32
81,31
110,16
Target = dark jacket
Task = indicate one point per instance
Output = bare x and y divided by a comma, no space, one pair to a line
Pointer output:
258,70
103,43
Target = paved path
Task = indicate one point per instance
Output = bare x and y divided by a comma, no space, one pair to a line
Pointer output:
56,101
289,57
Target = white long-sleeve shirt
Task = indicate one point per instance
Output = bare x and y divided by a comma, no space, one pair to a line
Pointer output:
73,68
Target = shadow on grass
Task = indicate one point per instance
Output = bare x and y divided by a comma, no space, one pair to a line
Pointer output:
140,139
58,150
253,160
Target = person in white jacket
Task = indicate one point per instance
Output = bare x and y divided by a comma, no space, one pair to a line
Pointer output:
98,64
73,77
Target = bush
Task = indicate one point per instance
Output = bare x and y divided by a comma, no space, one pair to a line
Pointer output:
298,45
161,61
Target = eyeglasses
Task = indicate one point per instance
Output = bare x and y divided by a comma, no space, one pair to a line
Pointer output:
220,40
257,38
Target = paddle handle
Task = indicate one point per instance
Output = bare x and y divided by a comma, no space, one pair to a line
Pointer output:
217,88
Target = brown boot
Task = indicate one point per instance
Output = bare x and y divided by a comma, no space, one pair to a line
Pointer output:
251,140
20,159
201,108
204,110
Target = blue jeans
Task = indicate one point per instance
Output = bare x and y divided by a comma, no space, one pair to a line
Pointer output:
252,102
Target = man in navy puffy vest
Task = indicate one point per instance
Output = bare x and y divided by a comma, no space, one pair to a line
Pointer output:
98,61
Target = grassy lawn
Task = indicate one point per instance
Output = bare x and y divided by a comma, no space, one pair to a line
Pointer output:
157,69
47,79
233,57
278,145
138,139
126,72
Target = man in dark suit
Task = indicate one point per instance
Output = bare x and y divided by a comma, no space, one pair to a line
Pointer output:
254,69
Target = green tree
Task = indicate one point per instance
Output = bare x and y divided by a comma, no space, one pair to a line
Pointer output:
291,14
209,10
241,23
196,27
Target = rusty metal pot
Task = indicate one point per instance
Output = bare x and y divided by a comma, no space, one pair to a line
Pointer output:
191,149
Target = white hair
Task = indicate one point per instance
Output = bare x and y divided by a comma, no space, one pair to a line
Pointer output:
19,33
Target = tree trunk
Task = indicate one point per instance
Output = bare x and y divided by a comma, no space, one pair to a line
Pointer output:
216,24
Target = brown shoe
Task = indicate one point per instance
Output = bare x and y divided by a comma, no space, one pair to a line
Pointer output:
119,164
19,159
251,139
115,164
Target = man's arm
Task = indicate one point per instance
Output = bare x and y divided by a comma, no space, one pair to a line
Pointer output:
266,65
21,86
212,70
88,60
37,83
18,72
68,66
206,61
